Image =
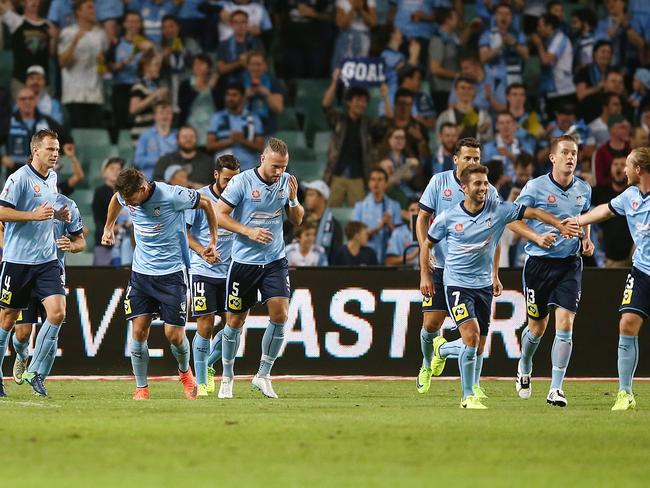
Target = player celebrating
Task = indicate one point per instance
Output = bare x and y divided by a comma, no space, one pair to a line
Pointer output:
472,230
69,238
256,198
157,284
634,204
29,263
208,276
552,277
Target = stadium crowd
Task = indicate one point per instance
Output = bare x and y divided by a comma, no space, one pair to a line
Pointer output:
172,84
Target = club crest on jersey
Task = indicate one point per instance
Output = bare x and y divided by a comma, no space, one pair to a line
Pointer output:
255,194
635,204
579,200
37,190
447,194
156,212
551,199
459,228
488,223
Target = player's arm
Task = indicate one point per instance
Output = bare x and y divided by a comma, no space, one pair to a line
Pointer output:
205,204
295,212
199,249
114,209
426,280
72,243
523,230
421,228
598,214
257,234
497,287
567,229
9,214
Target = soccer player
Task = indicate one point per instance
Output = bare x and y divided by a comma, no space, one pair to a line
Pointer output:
157,284
472,230
634,204
256,199
29,263
69,238
444,191
208,276
552,277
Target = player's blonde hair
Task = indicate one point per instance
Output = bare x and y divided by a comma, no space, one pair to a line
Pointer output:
641,158
278,146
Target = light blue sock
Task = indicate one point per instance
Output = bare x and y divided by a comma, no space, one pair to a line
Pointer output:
426,344
271,345
45,341
140,362
529,344
560,355
467,367
20,347
230,344
628,358
200,349
48,362
479,369
182,354
4,342
451,349
215,352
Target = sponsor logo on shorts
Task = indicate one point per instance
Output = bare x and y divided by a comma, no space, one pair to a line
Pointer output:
460,312
234,302
183,306
533,311
200,304
127,307
6,296
427,301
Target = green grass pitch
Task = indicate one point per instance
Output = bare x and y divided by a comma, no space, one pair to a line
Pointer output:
322,434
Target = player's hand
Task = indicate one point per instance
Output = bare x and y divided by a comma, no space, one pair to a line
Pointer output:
108,238
63,214
569,228
545,241
210,255
44,212
588,247
293,188
497,287
427,288
64,244
259,234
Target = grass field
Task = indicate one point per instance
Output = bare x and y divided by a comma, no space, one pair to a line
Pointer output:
322,434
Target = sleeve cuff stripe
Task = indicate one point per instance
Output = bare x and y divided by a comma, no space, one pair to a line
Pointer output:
76,232
425,208
7,204
227,202
433,239
522,210
611,207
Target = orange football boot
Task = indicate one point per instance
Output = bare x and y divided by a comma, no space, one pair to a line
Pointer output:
189,385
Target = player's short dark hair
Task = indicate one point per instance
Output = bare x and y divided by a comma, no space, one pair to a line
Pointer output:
466,142
552,20
356,91
402,93
514,86
129,181
237,87
353,227
641,158
226,161
563,138
278,146
305,226
40,136
446,125
379,170
472,169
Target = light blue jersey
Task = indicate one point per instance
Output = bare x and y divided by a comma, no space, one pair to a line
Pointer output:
547,194
471,240
72,228
159,226
635,207
400,240
443,192
200,230
257,203
29,242
371,212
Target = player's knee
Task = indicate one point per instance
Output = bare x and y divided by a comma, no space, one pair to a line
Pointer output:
174,335
23,332
629,325
56,316
279,318
432,322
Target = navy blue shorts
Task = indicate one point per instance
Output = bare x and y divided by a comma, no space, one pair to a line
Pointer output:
32,313
465,304
436,303
246,280
636,296
22,282
208,295
552,282
162,296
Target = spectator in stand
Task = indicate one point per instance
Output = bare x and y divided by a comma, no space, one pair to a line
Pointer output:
177,175
329,234
590,78
30,40
60,15
615,28
639,138
614,233
111,167
378,212
506,146
233,53
264,94
350,152
556,56
471,120
109,13
402,244
81,49
304,251
355,19
394,60
641,88
503,48
25,122
524,172
47,105
443,158
410,78
565,122
583,23
529,124
611,103
194,24
67,185
355,252
153,12
146,93
398,163
618,146
555,8
197,164
259,21
444,52
122,60
197,97
417,135
156,141
415,19
236,131
489,93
